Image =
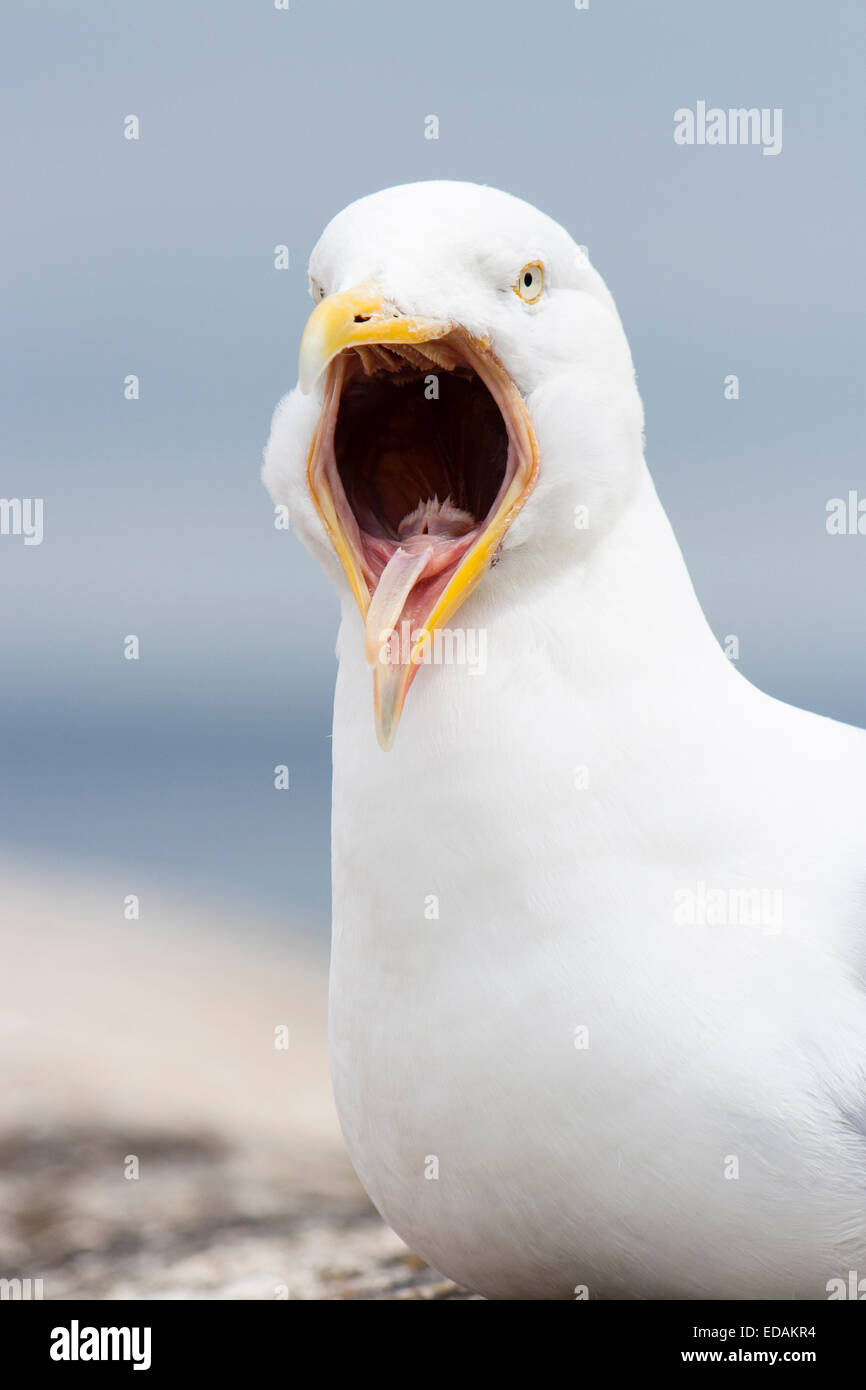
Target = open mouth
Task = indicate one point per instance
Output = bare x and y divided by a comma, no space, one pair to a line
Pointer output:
422,456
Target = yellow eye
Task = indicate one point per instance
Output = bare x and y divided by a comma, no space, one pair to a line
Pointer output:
530,282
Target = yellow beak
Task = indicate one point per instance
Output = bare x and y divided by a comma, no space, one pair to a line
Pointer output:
360,318
354,319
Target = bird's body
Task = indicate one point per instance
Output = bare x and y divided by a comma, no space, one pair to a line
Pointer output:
598,1020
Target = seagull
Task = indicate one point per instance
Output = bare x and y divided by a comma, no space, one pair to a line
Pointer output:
597,1010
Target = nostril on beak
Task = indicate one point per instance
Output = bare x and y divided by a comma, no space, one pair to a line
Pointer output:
362,318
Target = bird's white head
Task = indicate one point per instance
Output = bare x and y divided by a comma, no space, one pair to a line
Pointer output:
466,393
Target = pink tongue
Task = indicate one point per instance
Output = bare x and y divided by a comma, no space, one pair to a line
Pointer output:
432,537
396,583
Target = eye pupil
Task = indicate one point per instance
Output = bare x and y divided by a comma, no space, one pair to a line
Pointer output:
527,279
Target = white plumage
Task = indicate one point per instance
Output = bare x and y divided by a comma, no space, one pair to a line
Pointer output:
541,976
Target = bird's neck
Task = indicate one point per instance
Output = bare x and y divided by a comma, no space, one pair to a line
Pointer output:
627,606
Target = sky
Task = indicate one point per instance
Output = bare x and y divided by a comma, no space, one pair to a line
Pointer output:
155,258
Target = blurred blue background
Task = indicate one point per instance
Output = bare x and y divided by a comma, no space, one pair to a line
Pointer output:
156,257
